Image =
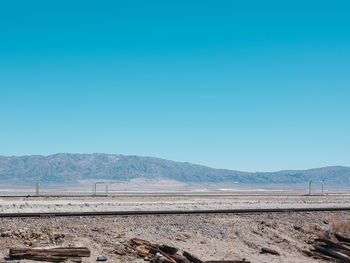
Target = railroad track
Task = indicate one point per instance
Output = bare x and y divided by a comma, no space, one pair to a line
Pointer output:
175,212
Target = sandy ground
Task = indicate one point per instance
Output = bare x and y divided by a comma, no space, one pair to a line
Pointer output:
210,237
127,203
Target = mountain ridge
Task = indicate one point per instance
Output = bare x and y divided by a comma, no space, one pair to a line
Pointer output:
72,168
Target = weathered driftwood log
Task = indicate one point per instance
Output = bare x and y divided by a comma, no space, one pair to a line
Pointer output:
344,237
48,258
59,254
55,259
320,256
336,244
333,253
60,251
332,247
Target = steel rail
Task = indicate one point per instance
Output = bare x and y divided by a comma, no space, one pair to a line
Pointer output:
174,212
178,195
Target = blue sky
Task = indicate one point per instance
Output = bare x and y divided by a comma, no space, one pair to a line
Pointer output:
246,85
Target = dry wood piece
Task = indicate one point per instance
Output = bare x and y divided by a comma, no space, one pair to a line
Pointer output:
266,250
180,259
335,247
54,259
319,256
228,261
168,249
332,253
60,251
335,244
165,254
59,254
192,258
342,237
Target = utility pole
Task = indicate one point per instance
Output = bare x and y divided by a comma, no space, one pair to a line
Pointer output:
37,189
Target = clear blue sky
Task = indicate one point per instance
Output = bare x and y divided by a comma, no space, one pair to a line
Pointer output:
246,85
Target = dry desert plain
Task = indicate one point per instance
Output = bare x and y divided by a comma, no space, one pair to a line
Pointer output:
208,236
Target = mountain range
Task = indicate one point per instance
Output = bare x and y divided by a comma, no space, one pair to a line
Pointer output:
72,169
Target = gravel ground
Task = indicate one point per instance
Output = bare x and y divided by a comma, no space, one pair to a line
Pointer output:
210,237
80,204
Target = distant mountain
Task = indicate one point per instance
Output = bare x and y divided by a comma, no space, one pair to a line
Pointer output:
64,168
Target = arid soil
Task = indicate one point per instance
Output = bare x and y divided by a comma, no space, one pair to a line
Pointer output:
139,203
210,237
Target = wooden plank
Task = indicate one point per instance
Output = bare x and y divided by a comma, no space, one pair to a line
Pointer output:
177,258
320,256
332,253
168,249
342,237
138,242
143,251
227,261
65,252
53,258
335,244
192,258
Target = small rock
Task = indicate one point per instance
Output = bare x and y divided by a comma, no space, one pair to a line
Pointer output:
297,227
6,234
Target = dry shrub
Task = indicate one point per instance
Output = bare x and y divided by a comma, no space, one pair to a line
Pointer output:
338,225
